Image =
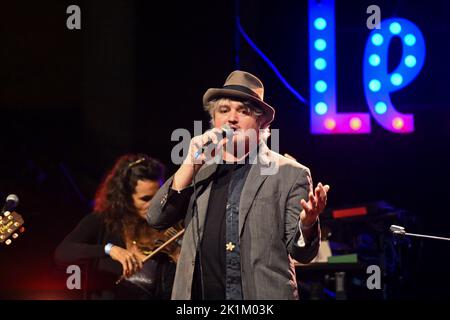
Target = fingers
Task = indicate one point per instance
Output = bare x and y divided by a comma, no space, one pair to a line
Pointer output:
312,200
317,192
321,196
211,135
305,205
317,200
321,193
132,264
325,188
129,268
310,205
135,266
130,261
206,146
124,268
195,155
214,135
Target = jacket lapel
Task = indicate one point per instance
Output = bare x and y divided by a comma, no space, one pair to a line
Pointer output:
251,187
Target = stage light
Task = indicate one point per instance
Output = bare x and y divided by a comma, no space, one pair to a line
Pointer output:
398,123
325,118
320,23
396,79
321,108
409,40
374,60
380,107
374,85
377,39
320,63
395,27
320,44
330,124
378,82
410,61
355,123
321,86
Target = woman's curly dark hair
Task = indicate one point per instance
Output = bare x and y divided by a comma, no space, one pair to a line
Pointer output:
113,198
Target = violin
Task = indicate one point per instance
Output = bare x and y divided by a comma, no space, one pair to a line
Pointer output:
166,241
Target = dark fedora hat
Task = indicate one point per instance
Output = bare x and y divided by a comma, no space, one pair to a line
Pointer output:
242,85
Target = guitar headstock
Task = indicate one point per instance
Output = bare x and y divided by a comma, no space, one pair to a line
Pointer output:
11,225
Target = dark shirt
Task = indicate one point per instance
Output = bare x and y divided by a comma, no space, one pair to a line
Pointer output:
215,265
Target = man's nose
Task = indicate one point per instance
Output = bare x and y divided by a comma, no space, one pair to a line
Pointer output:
233,117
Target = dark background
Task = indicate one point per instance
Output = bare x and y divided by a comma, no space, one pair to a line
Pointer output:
72,101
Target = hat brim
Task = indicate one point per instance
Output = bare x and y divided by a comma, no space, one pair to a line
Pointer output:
268,111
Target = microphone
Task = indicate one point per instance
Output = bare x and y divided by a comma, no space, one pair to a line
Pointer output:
11,203
226,129
399,230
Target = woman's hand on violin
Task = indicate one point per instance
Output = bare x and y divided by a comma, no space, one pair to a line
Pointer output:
130,262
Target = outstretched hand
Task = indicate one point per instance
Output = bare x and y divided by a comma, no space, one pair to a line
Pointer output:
315,205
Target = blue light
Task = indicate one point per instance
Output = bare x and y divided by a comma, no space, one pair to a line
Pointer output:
320,44
410,40
396,79
321,108
321,86
380,107
377,39
395,28
320,23
410,61
374,60
320,64
374,85
379,83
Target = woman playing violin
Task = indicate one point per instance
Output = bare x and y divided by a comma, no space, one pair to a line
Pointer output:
115,238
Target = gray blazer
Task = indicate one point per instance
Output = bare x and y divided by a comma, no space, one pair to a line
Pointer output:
269,212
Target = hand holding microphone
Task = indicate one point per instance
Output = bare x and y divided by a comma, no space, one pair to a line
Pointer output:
202,147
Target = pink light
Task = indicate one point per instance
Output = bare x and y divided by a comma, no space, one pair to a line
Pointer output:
398,123
355,123
330,124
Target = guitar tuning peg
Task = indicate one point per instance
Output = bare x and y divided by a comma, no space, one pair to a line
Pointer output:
2,237
15,235
8,242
